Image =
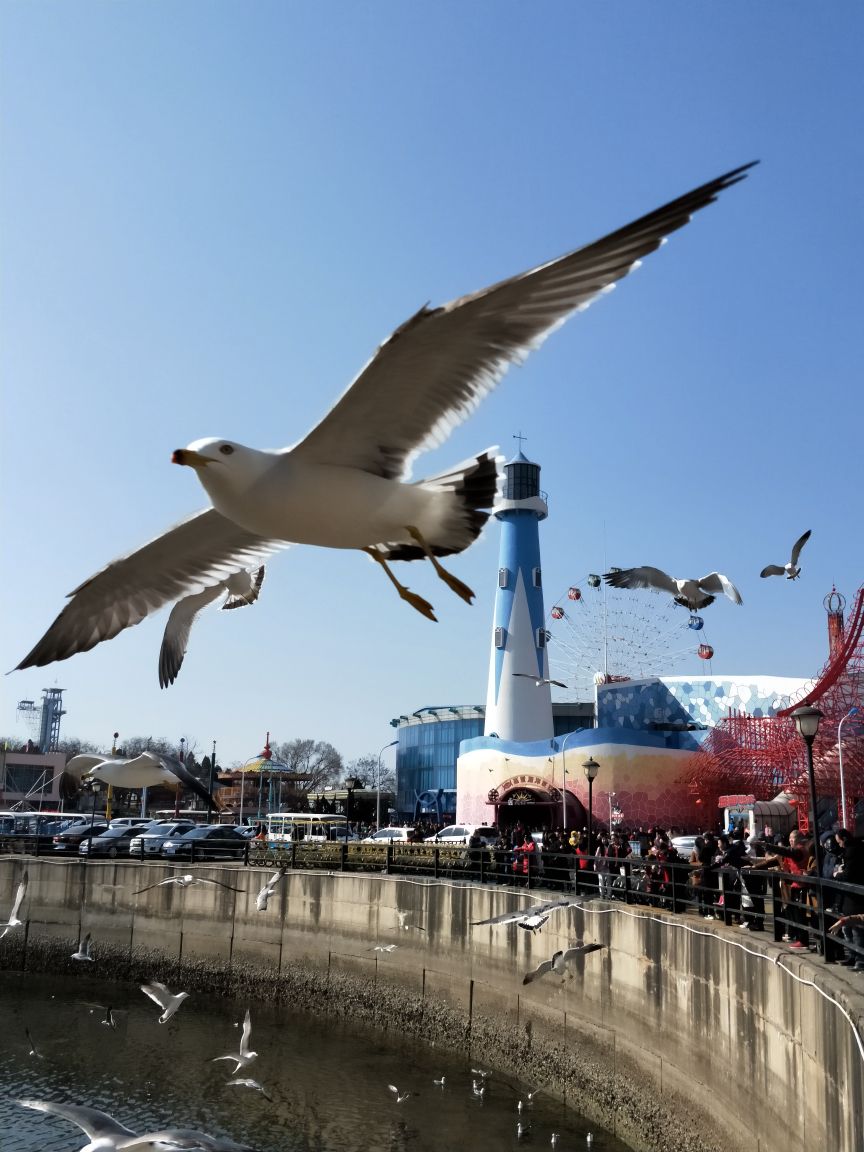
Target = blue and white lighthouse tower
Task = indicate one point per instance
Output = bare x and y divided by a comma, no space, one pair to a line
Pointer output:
517,708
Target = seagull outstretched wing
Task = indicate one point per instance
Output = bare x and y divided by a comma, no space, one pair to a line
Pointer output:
716,582
798,545
644,577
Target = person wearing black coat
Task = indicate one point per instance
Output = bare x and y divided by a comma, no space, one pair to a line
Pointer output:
851,871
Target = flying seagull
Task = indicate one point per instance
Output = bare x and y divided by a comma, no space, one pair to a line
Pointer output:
532,918
539,682
693,594
186,882
83,952
167,1001
405,924
346,484
246,1082
107,1135
400,1096
241,587
267,891
14,921
559,961
791,570
137,772
245,1056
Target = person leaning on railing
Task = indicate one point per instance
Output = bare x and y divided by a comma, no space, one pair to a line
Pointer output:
851,871
794,859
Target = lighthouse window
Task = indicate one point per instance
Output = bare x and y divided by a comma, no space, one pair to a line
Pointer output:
542,636
538,578
523,481
500,637
503,577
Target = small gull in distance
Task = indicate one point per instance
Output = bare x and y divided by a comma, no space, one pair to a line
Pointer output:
346,484
242,588
383,948
692,594
559,961
405,924
83,952
245,1056
185,882
14,921
539,682
400,1096
247,1082
167,1001
440,1083
791,570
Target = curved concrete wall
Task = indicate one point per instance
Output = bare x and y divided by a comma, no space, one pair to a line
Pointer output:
675,1036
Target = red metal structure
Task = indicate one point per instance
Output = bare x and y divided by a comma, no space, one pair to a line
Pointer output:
764,756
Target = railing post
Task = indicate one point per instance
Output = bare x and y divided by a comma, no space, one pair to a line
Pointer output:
436,850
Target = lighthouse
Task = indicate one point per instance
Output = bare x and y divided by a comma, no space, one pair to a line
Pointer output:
517,706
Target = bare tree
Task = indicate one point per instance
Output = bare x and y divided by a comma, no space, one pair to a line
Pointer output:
314,758
366,769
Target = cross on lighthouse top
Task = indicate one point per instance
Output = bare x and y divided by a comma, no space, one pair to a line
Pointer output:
518,436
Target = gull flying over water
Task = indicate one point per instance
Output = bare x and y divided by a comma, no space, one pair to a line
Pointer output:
560,961
83,952
241,588
538,682
532,918
186,881
14,921
167,1001
692,594
400,1096
267,891
105,1134
791,570
245,1056
346,484
247,1082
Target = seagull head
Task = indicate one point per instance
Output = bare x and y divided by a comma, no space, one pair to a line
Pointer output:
224,465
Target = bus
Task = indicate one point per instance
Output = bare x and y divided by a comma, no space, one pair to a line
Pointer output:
308,827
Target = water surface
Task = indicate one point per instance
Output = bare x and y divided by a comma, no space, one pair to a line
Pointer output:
327,1078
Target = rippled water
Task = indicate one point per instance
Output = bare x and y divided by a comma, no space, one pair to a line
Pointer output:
328,1080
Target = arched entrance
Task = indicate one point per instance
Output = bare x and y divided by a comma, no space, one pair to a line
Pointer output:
533,802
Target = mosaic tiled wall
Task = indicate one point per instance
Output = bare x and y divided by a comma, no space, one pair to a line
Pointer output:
649,704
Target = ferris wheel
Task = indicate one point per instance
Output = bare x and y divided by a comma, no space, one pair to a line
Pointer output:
596,633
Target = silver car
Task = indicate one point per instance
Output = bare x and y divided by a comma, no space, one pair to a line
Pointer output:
149,842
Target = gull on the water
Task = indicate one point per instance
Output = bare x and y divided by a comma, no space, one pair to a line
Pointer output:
186,881
105,1134
347,483
400,1096
241,588
247,1082
83,952
167,1001
269,888
560,961
691,593
790,570
14,920
34,1051
440,1083
245,1056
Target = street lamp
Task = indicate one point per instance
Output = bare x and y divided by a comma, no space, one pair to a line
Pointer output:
851,712
378,785
591,768
95,787
807,723
564,777
351,782
212,778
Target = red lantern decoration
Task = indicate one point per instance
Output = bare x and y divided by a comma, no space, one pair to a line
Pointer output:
557,613
705,651
574,594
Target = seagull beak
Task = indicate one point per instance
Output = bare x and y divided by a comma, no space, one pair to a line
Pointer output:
187,456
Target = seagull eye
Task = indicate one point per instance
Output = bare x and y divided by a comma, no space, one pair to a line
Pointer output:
225,449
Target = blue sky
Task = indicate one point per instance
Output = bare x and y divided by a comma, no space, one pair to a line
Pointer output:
213,212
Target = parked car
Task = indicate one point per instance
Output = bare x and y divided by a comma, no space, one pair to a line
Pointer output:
70,839
207,842
149,841
131,821
389,836
112,842
459,834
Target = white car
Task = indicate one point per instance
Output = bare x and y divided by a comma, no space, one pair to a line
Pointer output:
460,833
389,836
149,841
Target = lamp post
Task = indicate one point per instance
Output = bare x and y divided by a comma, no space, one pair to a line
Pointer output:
182,761
564,778
807,723
351,782
378,784
591,768
212,778
851,712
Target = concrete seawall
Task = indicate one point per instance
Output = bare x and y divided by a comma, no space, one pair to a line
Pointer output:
677,1037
